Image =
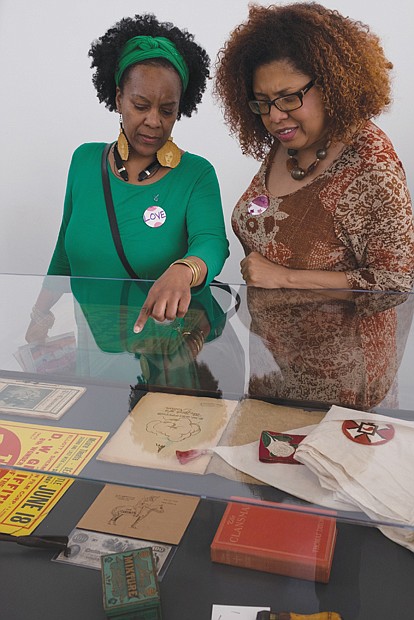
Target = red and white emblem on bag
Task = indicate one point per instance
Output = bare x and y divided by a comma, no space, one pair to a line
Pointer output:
368,433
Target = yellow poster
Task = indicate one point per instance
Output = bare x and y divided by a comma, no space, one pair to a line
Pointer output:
47,448
27,497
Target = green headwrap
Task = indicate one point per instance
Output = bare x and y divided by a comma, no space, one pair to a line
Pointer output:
145,47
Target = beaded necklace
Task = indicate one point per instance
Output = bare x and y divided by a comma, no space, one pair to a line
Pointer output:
298,173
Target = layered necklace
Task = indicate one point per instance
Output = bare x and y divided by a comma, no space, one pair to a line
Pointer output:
296,172
150,170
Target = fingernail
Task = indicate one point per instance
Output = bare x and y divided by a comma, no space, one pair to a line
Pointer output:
137,329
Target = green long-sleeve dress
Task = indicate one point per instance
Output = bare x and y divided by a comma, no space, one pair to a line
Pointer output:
186,202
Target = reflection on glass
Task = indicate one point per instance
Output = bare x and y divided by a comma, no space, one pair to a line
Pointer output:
318,348
175,353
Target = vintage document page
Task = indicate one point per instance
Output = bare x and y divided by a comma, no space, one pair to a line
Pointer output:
249,419
86,548
140,513
26,499
160,424
56,355
36,399
47,448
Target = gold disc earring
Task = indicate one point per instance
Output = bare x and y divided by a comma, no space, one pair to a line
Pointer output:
169,155
122,142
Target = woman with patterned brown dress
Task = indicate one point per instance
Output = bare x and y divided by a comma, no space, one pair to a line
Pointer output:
329,207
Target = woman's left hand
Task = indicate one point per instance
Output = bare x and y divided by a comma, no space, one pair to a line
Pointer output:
168,298
258,271
36,332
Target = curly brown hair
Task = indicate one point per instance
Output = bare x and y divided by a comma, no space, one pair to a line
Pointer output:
344,59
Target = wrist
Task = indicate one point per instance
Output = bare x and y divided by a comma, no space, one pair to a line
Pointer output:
194,268
195,339
287,278
43,319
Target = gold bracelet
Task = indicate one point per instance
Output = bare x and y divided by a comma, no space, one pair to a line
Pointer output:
43,319
195,269
196,337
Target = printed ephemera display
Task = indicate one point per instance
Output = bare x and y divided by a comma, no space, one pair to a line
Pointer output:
160,424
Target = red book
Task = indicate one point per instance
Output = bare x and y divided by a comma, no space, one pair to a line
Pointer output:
296,544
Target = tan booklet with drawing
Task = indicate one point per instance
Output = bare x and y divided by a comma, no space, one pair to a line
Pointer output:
160,424
140,513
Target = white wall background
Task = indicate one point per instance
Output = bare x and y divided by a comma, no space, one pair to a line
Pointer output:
48,106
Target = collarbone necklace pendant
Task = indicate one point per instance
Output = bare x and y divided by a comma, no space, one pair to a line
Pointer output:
146,173
296,172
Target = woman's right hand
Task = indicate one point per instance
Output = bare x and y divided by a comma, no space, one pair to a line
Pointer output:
168,298
170,295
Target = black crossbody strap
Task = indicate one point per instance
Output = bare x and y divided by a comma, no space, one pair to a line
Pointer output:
111,214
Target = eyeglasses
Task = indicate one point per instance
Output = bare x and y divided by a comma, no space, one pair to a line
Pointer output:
288,103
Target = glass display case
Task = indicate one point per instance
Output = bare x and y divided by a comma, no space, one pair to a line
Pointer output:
301,401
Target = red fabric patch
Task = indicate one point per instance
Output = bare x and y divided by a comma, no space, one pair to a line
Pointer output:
277,447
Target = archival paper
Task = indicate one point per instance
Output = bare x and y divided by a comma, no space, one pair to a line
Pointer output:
140,513
160,424
47,448
86,548
36,399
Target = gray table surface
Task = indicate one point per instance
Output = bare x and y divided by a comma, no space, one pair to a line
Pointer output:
372,577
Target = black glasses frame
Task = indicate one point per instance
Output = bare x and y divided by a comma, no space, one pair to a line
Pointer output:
254,104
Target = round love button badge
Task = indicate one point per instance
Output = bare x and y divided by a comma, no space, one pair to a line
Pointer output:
154,216
258,205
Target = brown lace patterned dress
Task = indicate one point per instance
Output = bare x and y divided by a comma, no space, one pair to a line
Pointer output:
306,347
355,217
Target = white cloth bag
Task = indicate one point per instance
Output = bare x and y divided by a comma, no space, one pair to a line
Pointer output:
367,460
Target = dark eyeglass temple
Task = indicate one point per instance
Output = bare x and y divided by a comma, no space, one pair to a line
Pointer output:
59,543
